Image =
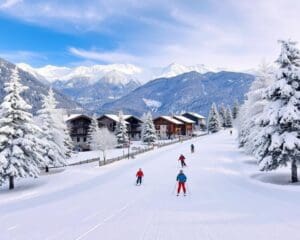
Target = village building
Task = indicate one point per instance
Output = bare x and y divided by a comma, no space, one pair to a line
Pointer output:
134,124
187,127
167,127
200,121
78,125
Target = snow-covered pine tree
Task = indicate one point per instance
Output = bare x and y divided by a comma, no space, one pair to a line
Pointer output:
281,116
92,129
228,118
53,132
213,123
21,149
102,139
242,124
222,115
235,109
255,105
121,129
148,130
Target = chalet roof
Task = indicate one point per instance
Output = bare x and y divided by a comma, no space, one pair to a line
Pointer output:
129,116
74,116
170,119
184,119
196,115
115,118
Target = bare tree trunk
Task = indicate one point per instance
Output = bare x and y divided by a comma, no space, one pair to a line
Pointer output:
294,171
11,182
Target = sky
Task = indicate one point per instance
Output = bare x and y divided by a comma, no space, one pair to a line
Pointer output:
228,33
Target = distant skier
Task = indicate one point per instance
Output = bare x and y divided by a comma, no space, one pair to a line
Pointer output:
192,148
181,179
230,132
182,160
139,176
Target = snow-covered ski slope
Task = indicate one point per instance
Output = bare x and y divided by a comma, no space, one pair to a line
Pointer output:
88,202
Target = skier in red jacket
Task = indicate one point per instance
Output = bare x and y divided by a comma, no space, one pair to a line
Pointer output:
139,176
181,159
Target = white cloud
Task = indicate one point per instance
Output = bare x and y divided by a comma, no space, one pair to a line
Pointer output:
9,3
236,34
107,57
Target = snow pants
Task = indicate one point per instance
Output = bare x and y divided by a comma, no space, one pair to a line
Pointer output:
183,163
181,185
139,180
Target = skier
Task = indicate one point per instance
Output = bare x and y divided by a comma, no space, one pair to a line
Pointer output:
139,176
192,148
181,159
181,179
230,132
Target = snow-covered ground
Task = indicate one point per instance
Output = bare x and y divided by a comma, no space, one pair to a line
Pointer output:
224,202
113,153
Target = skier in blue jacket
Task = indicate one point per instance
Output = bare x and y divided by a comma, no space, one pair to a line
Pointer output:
181,179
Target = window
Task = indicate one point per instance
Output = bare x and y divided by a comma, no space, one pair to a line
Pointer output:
80,130
84,139
78,139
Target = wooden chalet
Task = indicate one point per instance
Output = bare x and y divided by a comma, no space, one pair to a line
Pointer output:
188,125
133,123
79,125
200,121
167,127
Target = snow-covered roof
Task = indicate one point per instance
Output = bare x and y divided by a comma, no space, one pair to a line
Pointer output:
196,115
172,120
116,117
129,116
184,119
73,116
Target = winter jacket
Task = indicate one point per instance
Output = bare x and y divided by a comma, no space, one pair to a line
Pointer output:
140,174
181,177
181,158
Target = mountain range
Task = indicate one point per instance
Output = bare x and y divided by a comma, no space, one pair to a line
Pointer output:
36,89
175,88
192,91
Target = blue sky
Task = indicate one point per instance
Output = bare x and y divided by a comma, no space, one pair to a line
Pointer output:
228,33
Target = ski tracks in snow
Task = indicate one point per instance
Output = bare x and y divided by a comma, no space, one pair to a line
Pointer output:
105,220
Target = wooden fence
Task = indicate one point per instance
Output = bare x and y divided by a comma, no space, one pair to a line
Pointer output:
132,154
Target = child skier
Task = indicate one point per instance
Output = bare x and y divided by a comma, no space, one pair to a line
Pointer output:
181,179
181,159
139,176
192,148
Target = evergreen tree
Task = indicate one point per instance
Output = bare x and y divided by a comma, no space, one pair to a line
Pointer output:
121,129
281,116
255,105
148,130
222,115
235,109
53,132
213,124
21,149
228,118
92,129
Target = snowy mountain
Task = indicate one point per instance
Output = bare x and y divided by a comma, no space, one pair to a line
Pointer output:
36,88
119,72
175,69
191,91
91,86
98,85
93,95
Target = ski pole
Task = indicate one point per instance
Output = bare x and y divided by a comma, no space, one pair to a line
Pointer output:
188,189
174,189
